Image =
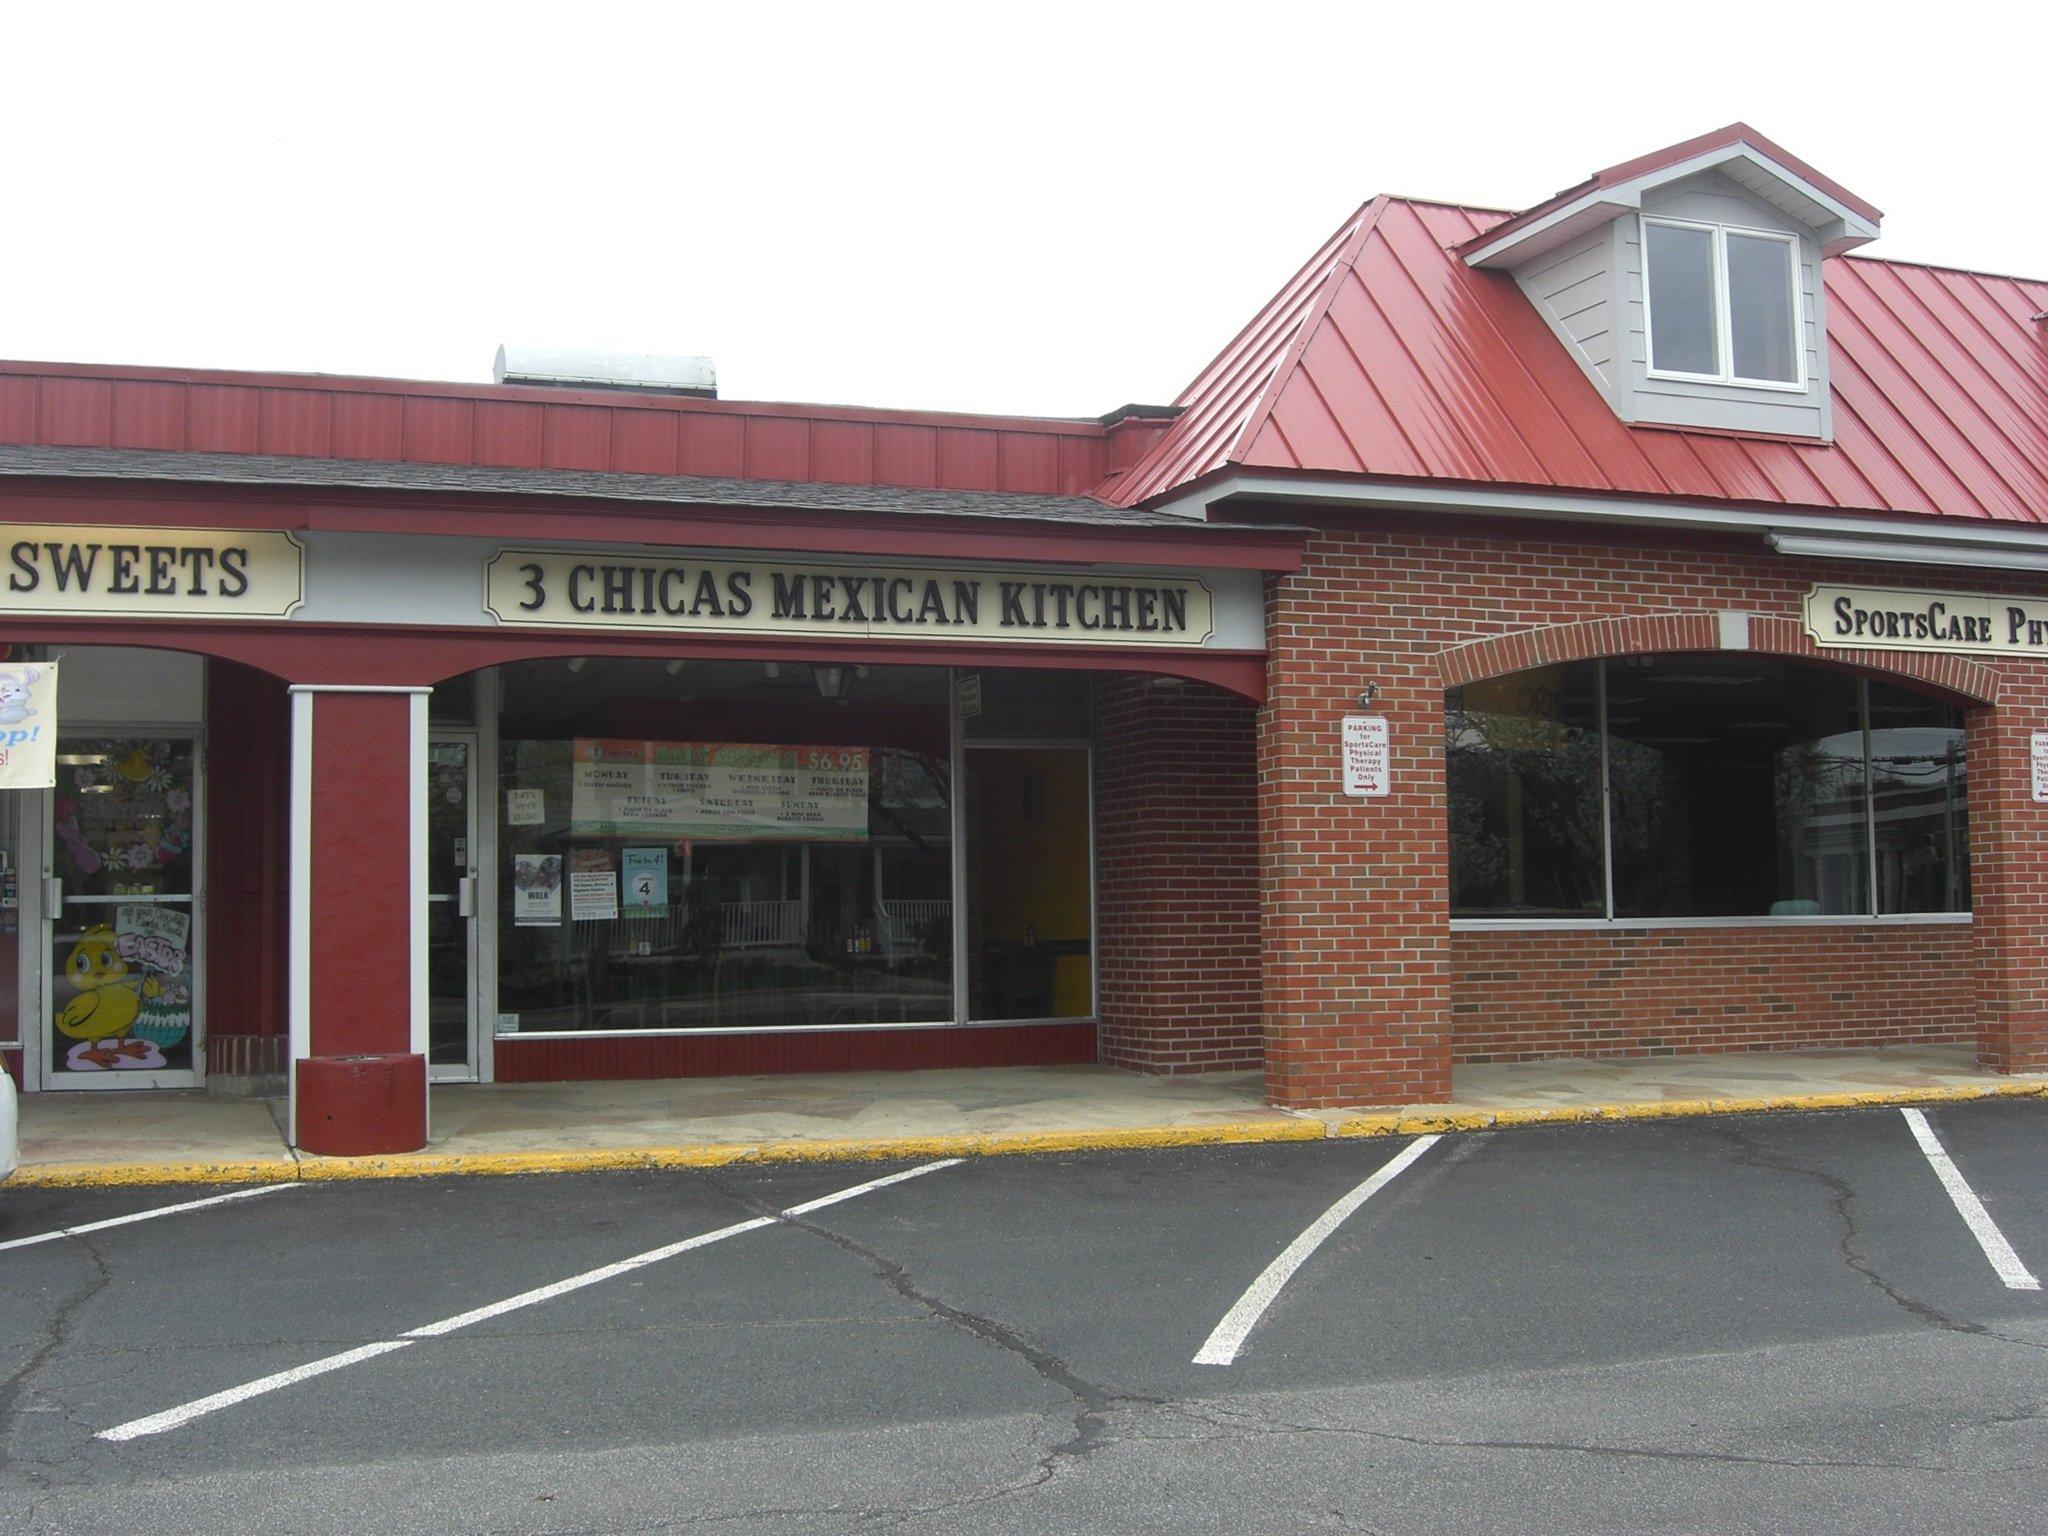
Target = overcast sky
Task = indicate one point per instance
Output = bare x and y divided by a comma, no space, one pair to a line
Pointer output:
999,207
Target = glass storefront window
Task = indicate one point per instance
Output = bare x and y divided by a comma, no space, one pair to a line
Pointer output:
1522,760
1734,786
1917,792
718,845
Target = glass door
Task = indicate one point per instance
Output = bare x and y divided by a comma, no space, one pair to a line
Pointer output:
451,906
122,917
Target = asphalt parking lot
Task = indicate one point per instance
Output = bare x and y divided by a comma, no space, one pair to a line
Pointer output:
1773,1323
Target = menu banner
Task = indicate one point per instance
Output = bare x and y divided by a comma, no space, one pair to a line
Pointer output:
681,791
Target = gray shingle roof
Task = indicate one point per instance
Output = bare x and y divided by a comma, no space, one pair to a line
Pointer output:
675,490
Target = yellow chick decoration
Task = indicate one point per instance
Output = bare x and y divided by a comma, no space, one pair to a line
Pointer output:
108,996
135,767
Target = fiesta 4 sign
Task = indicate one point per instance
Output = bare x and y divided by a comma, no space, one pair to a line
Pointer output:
1882,619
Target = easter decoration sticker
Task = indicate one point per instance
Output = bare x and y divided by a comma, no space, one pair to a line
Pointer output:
28,726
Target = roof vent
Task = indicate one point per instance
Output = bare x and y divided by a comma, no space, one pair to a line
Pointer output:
642,373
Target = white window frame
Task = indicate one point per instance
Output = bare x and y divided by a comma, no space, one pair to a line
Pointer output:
1724,328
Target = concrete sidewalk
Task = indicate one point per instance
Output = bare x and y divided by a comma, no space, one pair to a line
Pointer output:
162,1138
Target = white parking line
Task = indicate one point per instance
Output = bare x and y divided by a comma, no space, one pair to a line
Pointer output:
1222,1345
2017,1276
185,1413
149,1215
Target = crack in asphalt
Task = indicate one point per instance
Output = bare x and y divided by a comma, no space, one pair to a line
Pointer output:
1268,1424
1094,1404
1842,1197
15,1388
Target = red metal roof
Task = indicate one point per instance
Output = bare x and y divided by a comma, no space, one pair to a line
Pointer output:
401,421
1678,154
1387,356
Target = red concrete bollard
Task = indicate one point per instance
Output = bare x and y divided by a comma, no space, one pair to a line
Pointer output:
357,1106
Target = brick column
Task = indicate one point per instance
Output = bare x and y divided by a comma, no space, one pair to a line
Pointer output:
2009,875
1354,893
358,986
1177,876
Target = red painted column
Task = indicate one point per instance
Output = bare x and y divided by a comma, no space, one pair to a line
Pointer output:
2009,875
358,920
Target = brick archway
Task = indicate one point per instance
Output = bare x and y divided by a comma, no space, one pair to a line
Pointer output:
1498,655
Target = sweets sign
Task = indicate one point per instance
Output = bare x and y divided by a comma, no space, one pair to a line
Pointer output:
72,570
754,597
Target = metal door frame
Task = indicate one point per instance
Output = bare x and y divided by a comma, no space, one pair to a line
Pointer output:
471,1070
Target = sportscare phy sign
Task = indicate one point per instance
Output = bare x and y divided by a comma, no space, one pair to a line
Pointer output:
762,597
1881,619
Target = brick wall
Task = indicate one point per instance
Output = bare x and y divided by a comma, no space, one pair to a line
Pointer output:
1176,838
1361,973
1523,995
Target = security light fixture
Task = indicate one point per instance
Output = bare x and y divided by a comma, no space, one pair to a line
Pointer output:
833,682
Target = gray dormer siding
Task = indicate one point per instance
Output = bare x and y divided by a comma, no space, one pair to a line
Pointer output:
1714,199
1590,292
1572,287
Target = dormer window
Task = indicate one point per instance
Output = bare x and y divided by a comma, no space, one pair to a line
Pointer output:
1723,304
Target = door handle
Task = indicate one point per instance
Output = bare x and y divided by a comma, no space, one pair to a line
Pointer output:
465,896
53,897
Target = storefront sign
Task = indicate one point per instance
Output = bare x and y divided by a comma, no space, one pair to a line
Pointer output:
2041,767
678,790
1872,618
537,890
28,726
758,597
644,874
593,887
1365,755
77,571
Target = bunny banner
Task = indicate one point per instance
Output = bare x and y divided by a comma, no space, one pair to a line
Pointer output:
28,726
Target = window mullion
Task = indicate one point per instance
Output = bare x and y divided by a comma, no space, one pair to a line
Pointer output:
1606,804
1869,793
1724,317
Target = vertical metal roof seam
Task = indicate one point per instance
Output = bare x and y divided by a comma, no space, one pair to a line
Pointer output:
1900,388
1536,388
1998,465
1421,373
2029,419
1881,439
1457,343
1312,319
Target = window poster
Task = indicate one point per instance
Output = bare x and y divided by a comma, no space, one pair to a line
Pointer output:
124,1001
536,890
644,876
593,887
677,790
28,726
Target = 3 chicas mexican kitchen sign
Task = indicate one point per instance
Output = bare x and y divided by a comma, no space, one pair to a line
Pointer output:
765,597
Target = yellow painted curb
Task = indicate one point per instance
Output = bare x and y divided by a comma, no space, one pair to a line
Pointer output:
419,1165
1417,1122
270,1170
